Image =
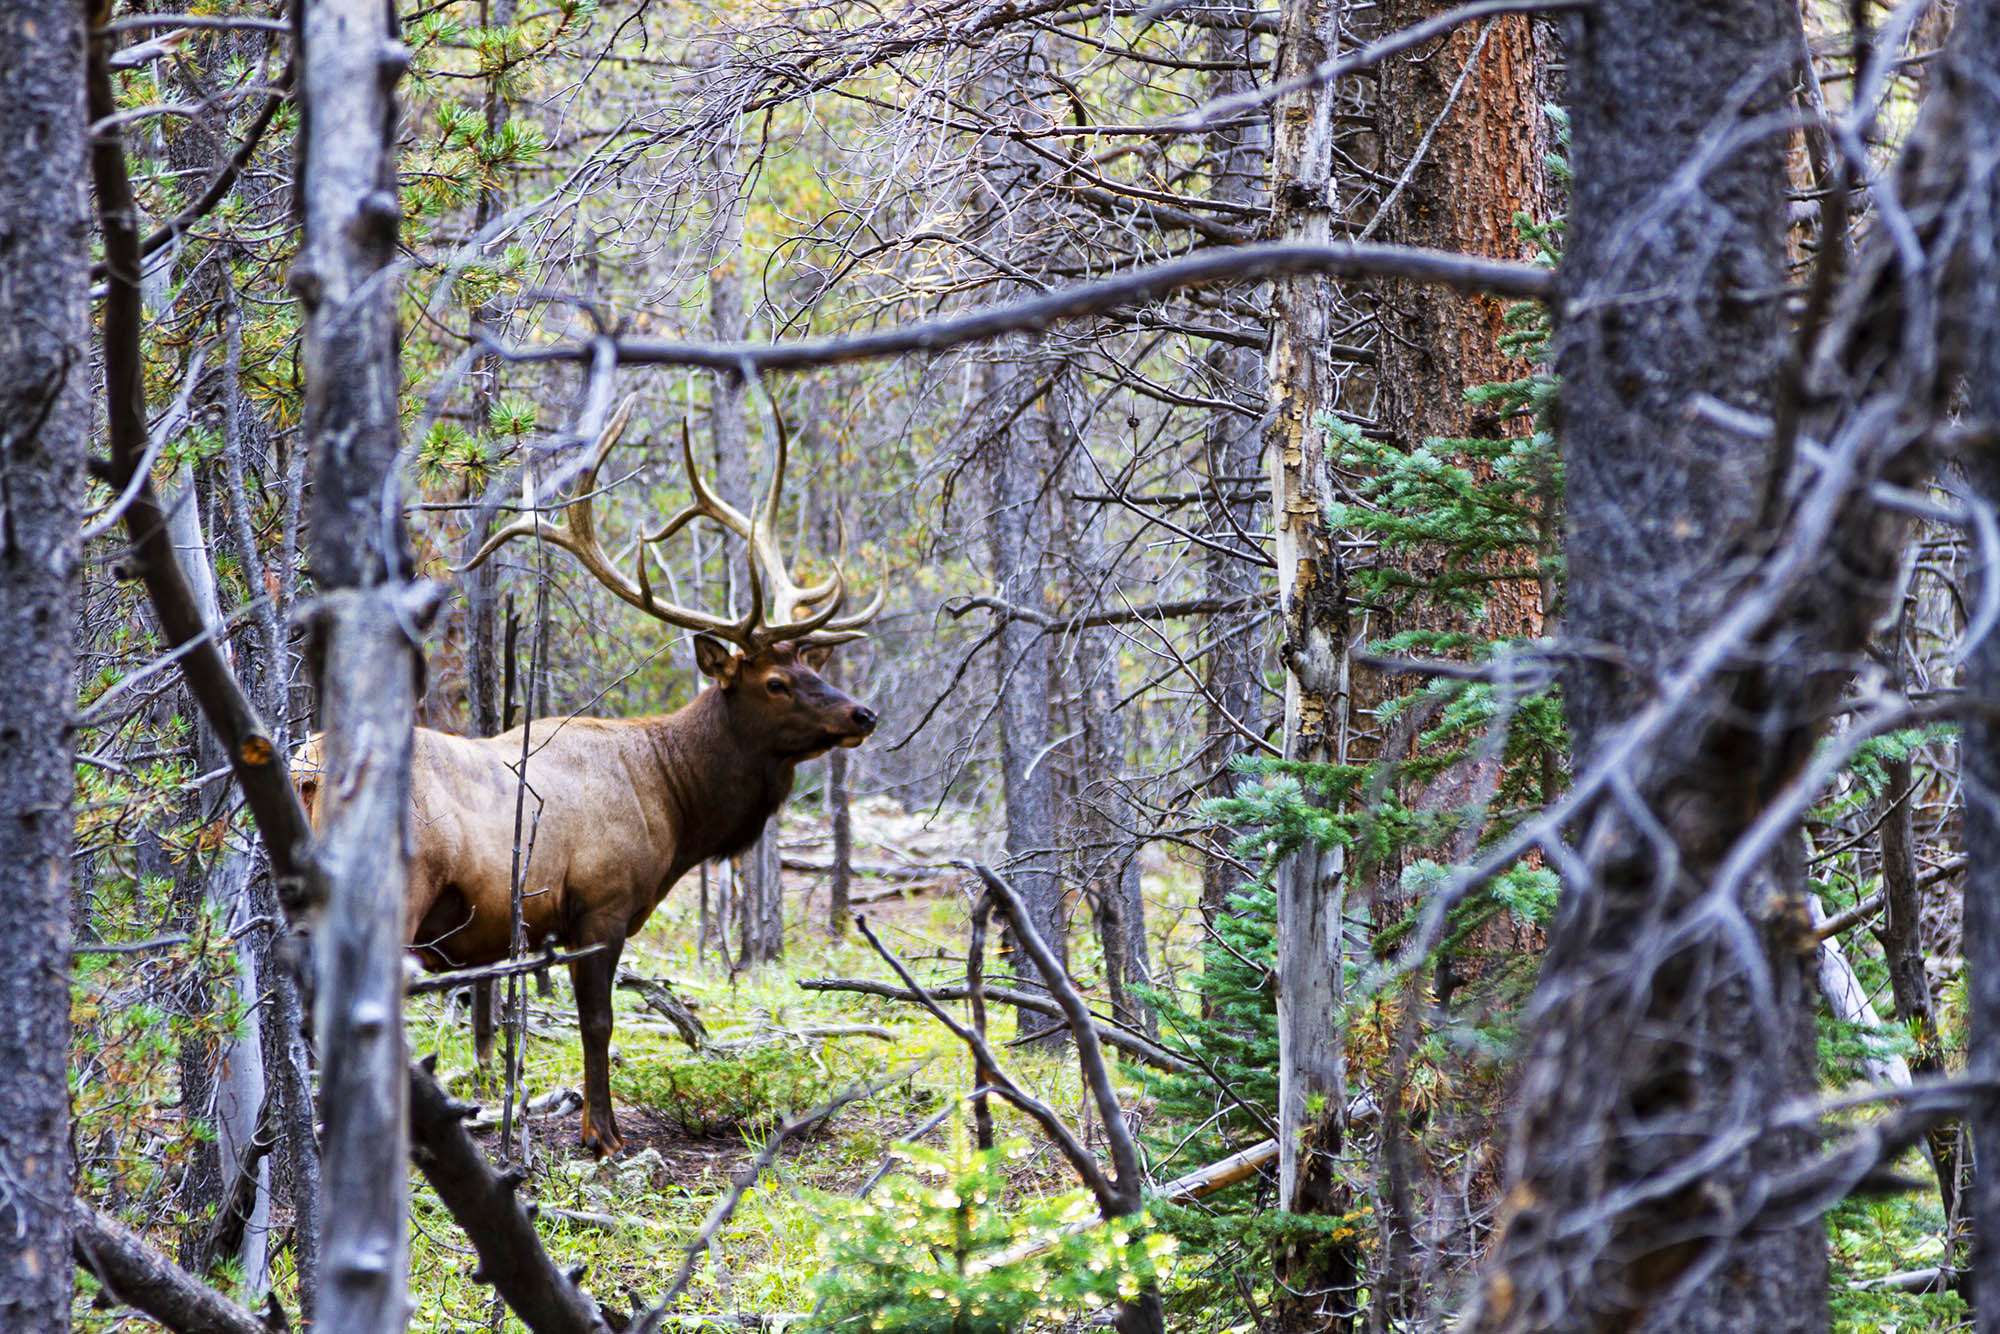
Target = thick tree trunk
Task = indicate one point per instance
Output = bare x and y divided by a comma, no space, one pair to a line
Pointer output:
1311,1054
1458,141
1978,31
370,666
44,423
1649,1044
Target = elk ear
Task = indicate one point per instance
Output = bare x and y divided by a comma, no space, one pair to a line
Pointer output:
817,656
716,659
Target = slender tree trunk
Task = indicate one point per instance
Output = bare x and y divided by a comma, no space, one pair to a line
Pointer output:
1018,532
1231,571
1901,937
759,877
44,424
370,666
226,1089
1311,1057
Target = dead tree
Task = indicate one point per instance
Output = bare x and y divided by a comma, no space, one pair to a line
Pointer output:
369,661
1312,1061
44,426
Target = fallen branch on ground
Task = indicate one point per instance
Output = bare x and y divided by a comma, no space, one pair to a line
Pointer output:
1218,1175
662,1000
135,1274
653,1319
879,870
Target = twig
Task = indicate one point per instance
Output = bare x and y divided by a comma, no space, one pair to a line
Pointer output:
1108,1030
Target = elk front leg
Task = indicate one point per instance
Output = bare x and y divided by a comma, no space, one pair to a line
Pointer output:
591,978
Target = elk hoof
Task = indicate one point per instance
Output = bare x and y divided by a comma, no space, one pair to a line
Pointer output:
603,1143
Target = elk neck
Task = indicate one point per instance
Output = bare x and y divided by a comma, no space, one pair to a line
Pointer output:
722,784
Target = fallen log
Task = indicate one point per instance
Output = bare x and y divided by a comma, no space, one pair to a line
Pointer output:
1152,1053
1218,1175
136,1275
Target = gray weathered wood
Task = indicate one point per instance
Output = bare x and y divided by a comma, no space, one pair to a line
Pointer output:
44,423
369,664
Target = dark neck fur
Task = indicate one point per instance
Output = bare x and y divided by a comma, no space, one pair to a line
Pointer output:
722,789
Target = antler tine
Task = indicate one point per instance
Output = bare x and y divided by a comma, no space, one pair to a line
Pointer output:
579,537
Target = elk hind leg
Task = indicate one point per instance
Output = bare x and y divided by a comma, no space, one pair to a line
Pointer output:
482,1023
592,978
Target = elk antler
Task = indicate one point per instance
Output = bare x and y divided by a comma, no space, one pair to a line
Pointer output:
752,631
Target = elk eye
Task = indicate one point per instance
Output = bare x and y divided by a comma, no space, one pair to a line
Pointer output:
778,686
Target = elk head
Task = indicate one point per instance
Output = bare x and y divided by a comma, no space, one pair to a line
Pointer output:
767,661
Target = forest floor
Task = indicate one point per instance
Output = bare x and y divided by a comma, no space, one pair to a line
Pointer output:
692,1121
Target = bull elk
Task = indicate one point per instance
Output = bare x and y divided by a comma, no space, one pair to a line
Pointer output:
627,806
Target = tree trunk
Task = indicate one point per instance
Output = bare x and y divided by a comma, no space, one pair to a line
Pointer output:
759,877
1644,1051
44,424
840,819
370,667
1230,446
1978,31
225,1089
1456,126
1311,1056
1018,531
1900,934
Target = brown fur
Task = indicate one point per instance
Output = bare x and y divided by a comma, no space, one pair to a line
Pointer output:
617,811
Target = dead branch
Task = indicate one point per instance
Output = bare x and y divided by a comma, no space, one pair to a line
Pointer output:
260,770
487,1205
467,976
1228,264
1107,1030
661,1000
135,1274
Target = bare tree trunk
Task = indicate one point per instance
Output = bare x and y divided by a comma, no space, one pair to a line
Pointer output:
226,1089
1645,1051
1978,31
44,424
840,818
760,884
1900,933
1018,530
371,666
1230,449
1312,1063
